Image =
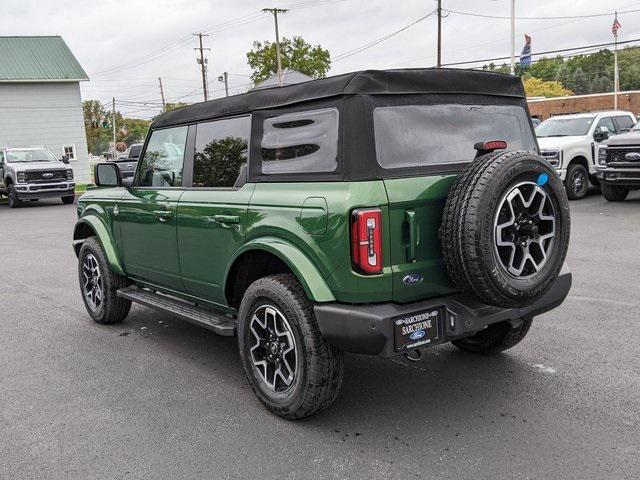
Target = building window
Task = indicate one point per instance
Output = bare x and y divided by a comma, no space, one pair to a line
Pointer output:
69,151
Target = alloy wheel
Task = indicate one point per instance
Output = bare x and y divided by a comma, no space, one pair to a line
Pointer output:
93,287
273,349
524,229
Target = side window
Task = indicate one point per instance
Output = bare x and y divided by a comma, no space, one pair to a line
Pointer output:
221,151
624,123
162,163
606,122
301,142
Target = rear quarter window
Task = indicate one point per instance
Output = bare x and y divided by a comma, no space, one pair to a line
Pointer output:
300,142
423,135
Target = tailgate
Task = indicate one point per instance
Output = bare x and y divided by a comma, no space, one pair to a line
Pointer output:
415,212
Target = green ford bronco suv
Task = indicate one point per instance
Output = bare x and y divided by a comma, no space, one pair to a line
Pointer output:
377,212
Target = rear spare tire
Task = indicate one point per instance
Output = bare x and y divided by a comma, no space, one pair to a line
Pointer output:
505,229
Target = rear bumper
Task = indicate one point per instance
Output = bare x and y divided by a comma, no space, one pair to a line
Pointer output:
45,190
368,329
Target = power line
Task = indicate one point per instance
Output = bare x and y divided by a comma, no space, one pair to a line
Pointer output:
366,46
560,17
542,53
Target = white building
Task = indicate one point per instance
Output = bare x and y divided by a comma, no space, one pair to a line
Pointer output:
40,103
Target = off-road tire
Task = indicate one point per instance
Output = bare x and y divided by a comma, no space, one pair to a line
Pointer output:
574,171
68,200
467,230
496,338
319,369
113,308
614,193
14,201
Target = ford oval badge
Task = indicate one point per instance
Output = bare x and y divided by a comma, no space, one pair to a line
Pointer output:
412,279
632,156
417,335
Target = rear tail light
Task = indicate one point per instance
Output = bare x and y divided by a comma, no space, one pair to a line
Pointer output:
490,146
366,240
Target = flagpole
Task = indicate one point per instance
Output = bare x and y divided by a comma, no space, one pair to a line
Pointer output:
616,84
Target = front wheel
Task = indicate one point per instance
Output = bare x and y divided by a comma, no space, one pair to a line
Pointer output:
291,368
614,193
496,338
99,285
14,201
577,181
68,199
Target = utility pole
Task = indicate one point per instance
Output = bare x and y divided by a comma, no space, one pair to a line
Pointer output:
275,12
113,124
162,94
513,37
225,78
439,12
616,73
203,64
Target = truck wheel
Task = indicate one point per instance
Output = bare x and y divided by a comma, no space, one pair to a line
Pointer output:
291,368
505,229
614,193
496,338
98,285
68,200
577,181
14,201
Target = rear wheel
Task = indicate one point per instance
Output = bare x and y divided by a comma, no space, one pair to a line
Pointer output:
68,200
291,368
495,338
14,201
614,193
577,181
99,285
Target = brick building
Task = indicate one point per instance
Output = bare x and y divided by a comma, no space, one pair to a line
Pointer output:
544,108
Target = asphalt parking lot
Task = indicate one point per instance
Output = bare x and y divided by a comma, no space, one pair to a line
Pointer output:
155,397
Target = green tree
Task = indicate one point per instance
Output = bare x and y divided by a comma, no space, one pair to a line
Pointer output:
580,82
296,54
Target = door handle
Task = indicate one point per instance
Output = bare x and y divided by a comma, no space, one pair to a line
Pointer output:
410,218
226,219
163,215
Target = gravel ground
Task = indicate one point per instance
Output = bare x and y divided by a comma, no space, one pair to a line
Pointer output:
155,397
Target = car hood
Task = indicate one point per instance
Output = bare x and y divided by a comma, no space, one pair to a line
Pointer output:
37,166
551,143
631,138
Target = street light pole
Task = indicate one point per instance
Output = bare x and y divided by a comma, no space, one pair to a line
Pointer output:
513,37
275,12
439,12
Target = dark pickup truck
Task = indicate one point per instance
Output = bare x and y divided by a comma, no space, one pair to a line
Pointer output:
127,165
619,165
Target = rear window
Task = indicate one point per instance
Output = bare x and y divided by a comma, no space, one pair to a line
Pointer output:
300,142
422,135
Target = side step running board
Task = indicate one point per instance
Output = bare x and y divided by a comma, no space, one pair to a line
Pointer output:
217,322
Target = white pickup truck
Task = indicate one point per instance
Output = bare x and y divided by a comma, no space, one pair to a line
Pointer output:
570,144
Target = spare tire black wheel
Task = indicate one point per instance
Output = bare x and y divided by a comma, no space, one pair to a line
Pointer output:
505,229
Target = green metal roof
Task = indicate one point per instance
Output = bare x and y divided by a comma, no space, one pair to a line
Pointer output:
38,59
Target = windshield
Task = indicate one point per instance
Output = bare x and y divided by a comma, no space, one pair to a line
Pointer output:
29,155
421,135
564,127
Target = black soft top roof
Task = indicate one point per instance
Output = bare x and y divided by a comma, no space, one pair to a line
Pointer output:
367,82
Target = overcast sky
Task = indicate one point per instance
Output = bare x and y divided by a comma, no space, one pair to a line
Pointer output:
125,45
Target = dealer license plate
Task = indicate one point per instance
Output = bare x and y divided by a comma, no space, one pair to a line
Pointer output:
417,329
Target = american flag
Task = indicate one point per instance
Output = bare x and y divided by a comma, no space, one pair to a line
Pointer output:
616,26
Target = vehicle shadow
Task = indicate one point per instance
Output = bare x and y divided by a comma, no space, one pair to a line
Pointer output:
447,389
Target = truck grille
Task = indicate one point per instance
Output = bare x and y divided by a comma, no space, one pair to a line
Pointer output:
617,155
46,176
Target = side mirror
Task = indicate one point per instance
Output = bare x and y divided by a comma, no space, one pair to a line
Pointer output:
107,175
600,135
65,159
